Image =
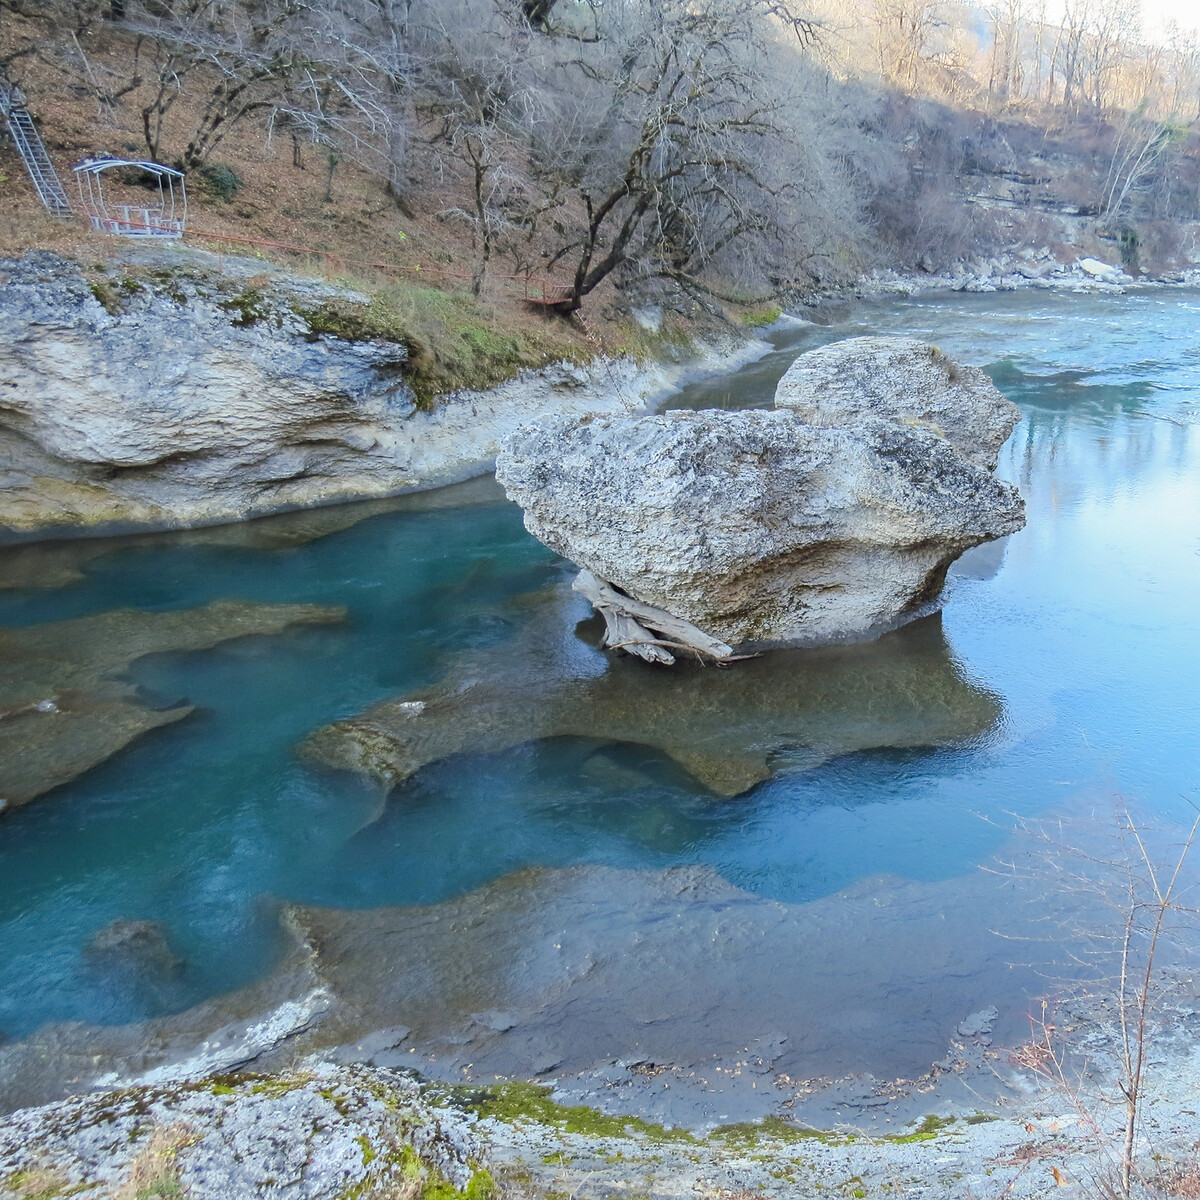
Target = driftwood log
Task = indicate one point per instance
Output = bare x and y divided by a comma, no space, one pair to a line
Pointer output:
632,626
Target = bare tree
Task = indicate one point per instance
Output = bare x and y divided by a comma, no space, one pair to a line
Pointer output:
1141,148
1008,19
904,30
316,68
673,146
1124,959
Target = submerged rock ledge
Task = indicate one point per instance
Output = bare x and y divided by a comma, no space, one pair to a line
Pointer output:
728,729
835,516
66,703
530,977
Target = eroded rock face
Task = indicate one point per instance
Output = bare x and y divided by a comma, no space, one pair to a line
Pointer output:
769,528
905,381
201,400
187,404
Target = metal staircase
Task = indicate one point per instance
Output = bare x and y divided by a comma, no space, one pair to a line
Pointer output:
33,154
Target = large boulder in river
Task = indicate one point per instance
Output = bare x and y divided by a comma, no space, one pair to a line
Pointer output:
768,528
902,380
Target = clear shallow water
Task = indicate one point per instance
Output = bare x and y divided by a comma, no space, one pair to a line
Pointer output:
1085,629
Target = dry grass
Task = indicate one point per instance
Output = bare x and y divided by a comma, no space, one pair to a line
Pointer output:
277,201
38,1183
346,221
1180,1180
154,1174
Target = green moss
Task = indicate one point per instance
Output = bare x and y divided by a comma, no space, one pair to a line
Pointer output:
249,307
167,281
756,318
451,342
353,322
409,1162
404,1165
259,1085
385,1095
671,340
981,1118
928,1129
161,1189
480,1187
344,1105
106,297
749,1134
512,1102
278,1086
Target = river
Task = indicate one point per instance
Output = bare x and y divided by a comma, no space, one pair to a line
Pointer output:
1079,636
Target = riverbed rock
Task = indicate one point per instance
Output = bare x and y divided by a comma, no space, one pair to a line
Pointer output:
184,397
767,528
905,381
131,945
66,703
328,1131
729,729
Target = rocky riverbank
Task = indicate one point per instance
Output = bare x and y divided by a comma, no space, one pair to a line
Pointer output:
181,397
329,1132
1030,268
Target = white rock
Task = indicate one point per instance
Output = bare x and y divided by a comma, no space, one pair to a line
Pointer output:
784,527
903,380
1097,269
225,420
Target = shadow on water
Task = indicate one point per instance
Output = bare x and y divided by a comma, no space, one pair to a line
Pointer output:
728,727
595,759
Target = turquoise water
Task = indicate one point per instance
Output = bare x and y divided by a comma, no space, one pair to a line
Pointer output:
1084,626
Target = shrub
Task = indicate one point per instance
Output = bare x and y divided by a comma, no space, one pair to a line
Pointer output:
219,180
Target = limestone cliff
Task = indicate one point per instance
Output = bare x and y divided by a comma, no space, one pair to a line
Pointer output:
188,399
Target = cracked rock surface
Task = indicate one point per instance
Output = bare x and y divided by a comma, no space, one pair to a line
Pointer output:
835,516
311,1135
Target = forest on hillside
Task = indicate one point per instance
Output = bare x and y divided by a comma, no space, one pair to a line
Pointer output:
727,147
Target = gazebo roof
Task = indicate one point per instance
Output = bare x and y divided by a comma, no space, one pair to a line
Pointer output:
94,166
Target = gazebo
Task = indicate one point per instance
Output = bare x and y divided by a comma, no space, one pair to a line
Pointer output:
129,214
